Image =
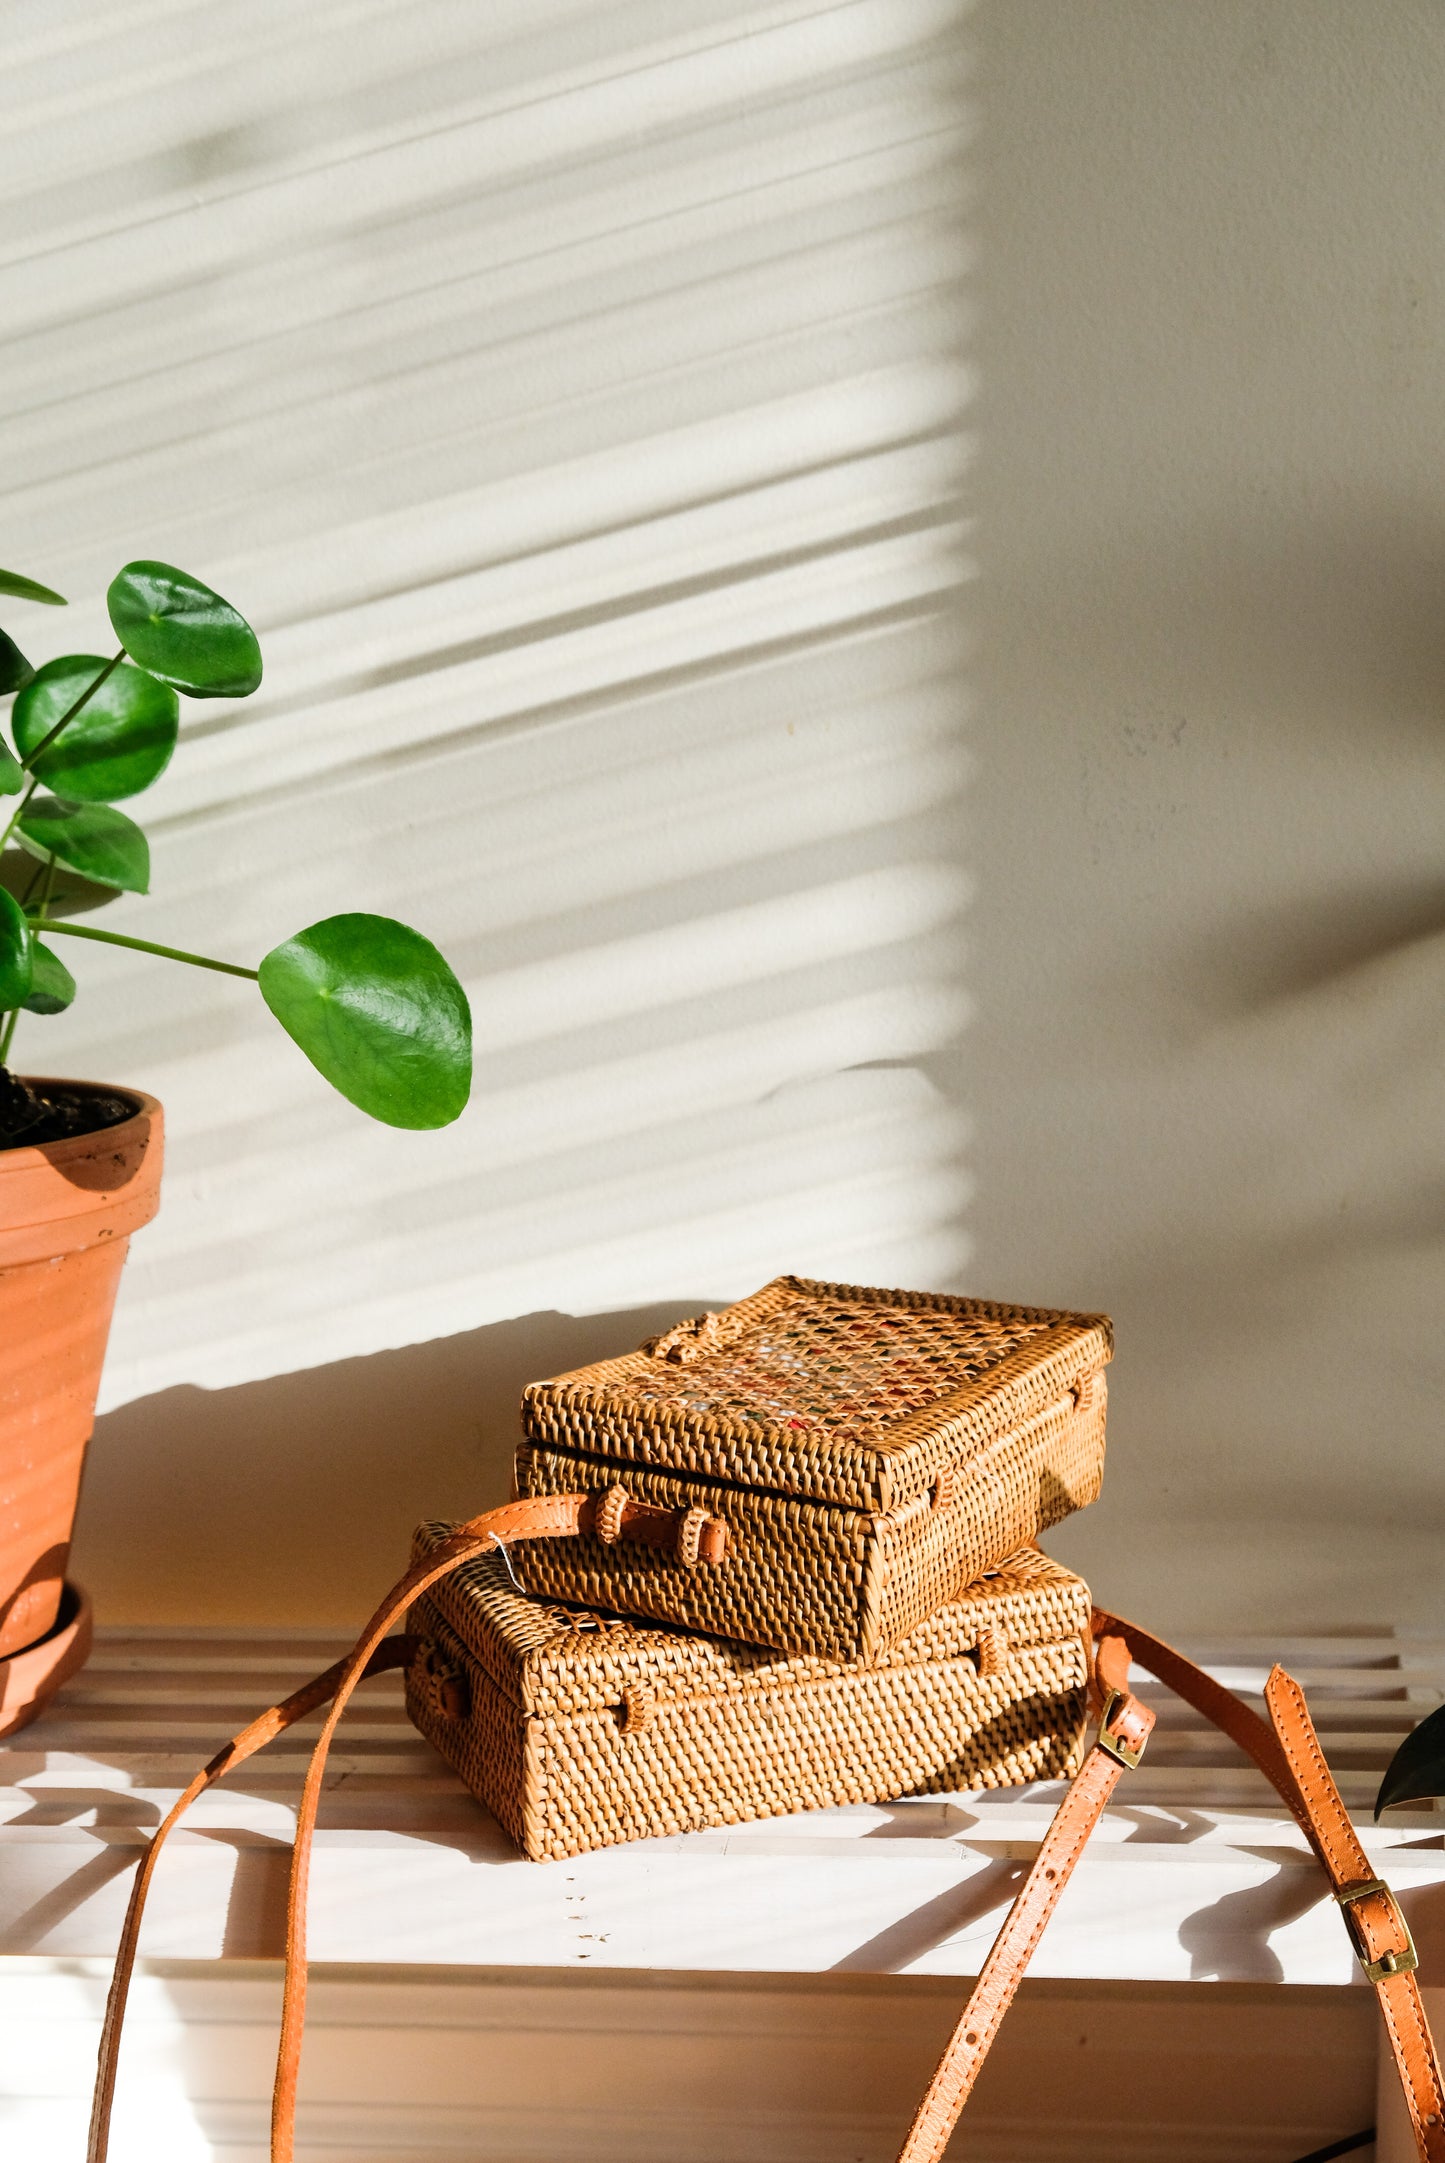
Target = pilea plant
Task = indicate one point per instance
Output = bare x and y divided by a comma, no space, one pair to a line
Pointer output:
371,1003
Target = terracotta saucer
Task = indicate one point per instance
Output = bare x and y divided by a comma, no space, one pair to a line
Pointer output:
31,1677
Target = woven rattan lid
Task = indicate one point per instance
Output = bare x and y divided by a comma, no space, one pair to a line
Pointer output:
553,1660
829,1391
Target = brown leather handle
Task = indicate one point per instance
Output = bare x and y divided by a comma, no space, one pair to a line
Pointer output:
693,1535
1287,1752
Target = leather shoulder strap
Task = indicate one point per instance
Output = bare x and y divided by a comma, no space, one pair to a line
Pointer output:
373,1653
539,1517
1378,1931
1287,1752
1124,1728
396,1652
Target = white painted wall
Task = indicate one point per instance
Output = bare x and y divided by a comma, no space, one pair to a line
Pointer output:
573,402
1207,1069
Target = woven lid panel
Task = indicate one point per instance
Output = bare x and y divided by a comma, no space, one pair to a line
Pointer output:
552,1659
829,1390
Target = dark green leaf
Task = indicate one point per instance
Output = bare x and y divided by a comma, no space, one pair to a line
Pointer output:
376,1009
15,954
1417,1770
99,843
183,633
118,743
14,668
28,589
12,773
52,987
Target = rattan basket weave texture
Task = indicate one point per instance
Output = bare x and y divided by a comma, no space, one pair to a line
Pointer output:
578,1731
869,1452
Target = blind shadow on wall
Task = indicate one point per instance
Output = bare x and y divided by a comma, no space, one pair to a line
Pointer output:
572,397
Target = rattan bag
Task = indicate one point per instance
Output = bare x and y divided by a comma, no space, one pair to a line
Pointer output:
579,1730
820,1467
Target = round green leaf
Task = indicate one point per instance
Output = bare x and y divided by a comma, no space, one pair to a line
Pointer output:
1417,1770
99,843
15,953
12,773
52,987
14,668
183,633
119,742
376,1010
28,589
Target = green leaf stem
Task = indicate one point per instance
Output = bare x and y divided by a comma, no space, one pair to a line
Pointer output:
144,946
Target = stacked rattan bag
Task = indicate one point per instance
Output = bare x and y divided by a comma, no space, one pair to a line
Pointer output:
815,1510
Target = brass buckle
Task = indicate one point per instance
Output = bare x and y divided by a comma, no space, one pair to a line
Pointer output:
1127,1753
1388,1963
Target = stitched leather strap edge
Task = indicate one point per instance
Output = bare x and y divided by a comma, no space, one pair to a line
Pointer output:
540,1517
396,1652
1126,1725
1287,1752
1377,1930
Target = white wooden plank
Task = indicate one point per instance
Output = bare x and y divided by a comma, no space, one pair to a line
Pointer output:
1196,1871
1171,1912
502,2067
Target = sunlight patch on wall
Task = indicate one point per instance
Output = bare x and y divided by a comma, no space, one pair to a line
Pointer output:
572,398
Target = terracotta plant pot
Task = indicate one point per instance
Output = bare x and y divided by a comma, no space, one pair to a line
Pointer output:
31,1678
67,1210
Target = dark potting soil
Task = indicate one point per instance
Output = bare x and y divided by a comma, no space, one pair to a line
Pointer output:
31,1116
